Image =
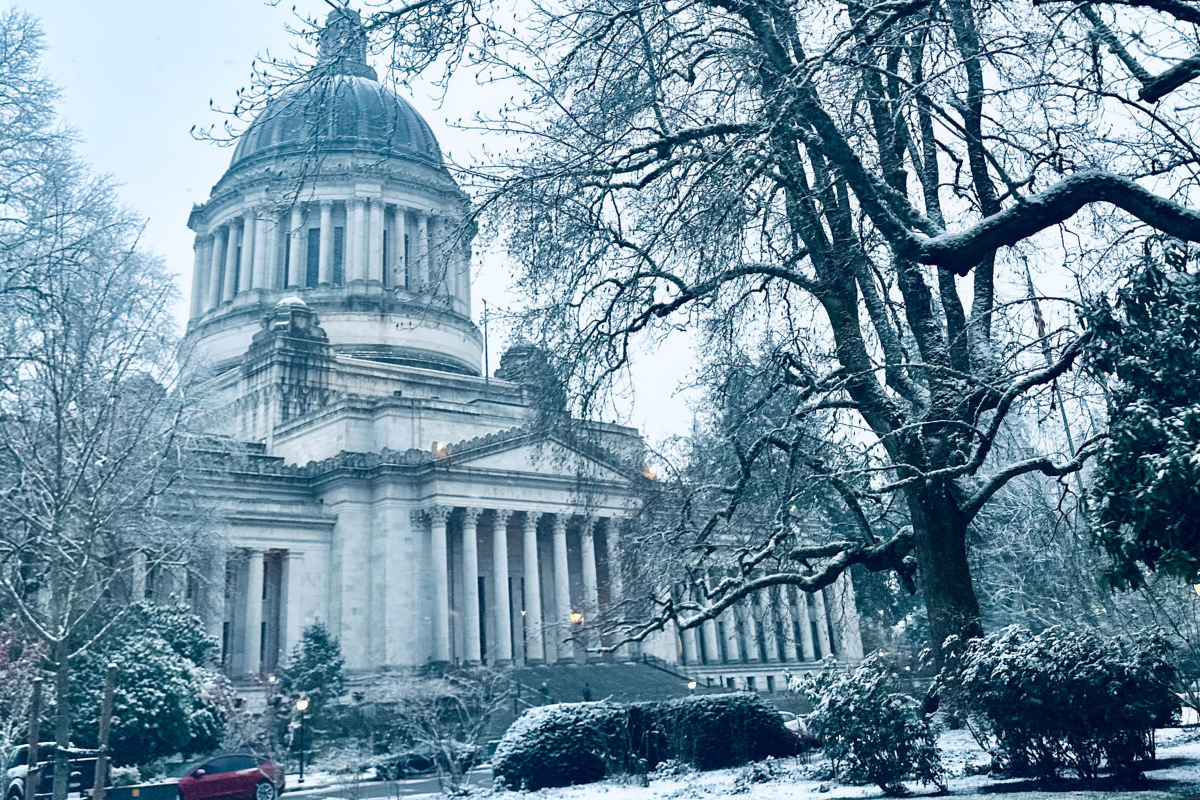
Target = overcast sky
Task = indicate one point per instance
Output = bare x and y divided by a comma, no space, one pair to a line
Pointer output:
136,75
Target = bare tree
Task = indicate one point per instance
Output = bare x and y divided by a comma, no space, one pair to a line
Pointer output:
862,184
91,404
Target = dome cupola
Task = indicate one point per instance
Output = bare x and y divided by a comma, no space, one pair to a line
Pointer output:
337,194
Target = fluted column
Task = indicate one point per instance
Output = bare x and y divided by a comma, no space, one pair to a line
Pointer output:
215,605
199,277
262,250
325,262
356,257
712,647
375,248
254,611
212,297
562,585
822,624
422,255
246,267
441,580
296,265
591,590
772,650
788,622
470,572
807,646
691,648
230,285
732,650
750,630
400,264
535,652
612,549
504,645
844,614
138,576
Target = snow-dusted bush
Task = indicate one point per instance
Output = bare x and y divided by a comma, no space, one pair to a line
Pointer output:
559,745
708,732
1066,700
562,745
870,730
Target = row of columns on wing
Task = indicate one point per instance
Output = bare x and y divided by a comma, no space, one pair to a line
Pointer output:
327,243
780,624
553,624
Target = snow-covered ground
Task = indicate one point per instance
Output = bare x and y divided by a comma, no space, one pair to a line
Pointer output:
1178,776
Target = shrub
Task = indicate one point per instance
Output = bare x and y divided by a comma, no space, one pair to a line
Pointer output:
1065,700
870,730
560,745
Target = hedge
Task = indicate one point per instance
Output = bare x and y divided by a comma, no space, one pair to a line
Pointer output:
571,743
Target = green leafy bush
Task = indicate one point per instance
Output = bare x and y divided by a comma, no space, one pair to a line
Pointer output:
560,745
1066,700
870,730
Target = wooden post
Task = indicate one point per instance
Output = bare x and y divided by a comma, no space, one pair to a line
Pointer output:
106,709
35,724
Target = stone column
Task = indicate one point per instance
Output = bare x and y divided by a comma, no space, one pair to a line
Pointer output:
691,648
470,571
246,268
750,630
807,646
731,636
296,266
199,277
375,248
712,647
325,261
441,580
772,650
591,589
212,298
254,611
356,256
844,613
275,277
535,652
262,250
291,623
138,577
788,622
230,286
562,585
422,253
503,650
612,548
400,264
216,601
822,624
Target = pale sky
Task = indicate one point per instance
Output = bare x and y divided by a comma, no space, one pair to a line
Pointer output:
136,75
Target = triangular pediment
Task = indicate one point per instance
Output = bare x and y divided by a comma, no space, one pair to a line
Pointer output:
549,457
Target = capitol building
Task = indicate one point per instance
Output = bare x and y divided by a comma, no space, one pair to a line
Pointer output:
365,472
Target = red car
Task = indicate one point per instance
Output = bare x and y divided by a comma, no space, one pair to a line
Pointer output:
238,777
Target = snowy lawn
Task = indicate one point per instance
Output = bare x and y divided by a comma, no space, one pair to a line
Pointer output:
1177,776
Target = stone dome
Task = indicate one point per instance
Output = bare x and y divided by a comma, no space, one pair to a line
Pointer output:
348,113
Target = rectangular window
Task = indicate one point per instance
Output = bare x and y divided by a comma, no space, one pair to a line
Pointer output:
312,267
339,256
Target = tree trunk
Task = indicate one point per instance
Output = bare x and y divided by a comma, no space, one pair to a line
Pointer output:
62,720
943,572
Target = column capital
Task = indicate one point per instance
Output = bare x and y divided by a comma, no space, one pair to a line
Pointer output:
502,516
532,517
326,204
435,513
472,515
560,522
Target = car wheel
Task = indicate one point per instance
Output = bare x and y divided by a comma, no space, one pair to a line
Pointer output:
265,791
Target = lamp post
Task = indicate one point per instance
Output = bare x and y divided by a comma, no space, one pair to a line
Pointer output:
301,707
692,686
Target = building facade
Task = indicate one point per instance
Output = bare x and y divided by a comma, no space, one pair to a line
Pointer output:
365,471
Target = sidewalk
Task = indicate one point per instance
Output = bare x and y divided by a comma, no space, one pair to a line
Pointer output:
323,786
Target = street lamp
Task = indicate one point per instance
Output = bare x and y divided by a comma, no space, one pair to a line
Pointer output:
301,706
692,685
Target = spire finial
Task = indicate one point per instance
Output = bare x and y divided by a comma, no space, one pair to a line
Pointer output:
342,45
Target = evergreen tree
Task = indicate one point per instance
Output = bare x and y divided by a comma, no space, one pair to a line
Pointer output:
315,667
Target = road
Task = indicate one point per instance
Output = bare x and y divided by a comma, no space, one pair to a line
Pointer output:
363,790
